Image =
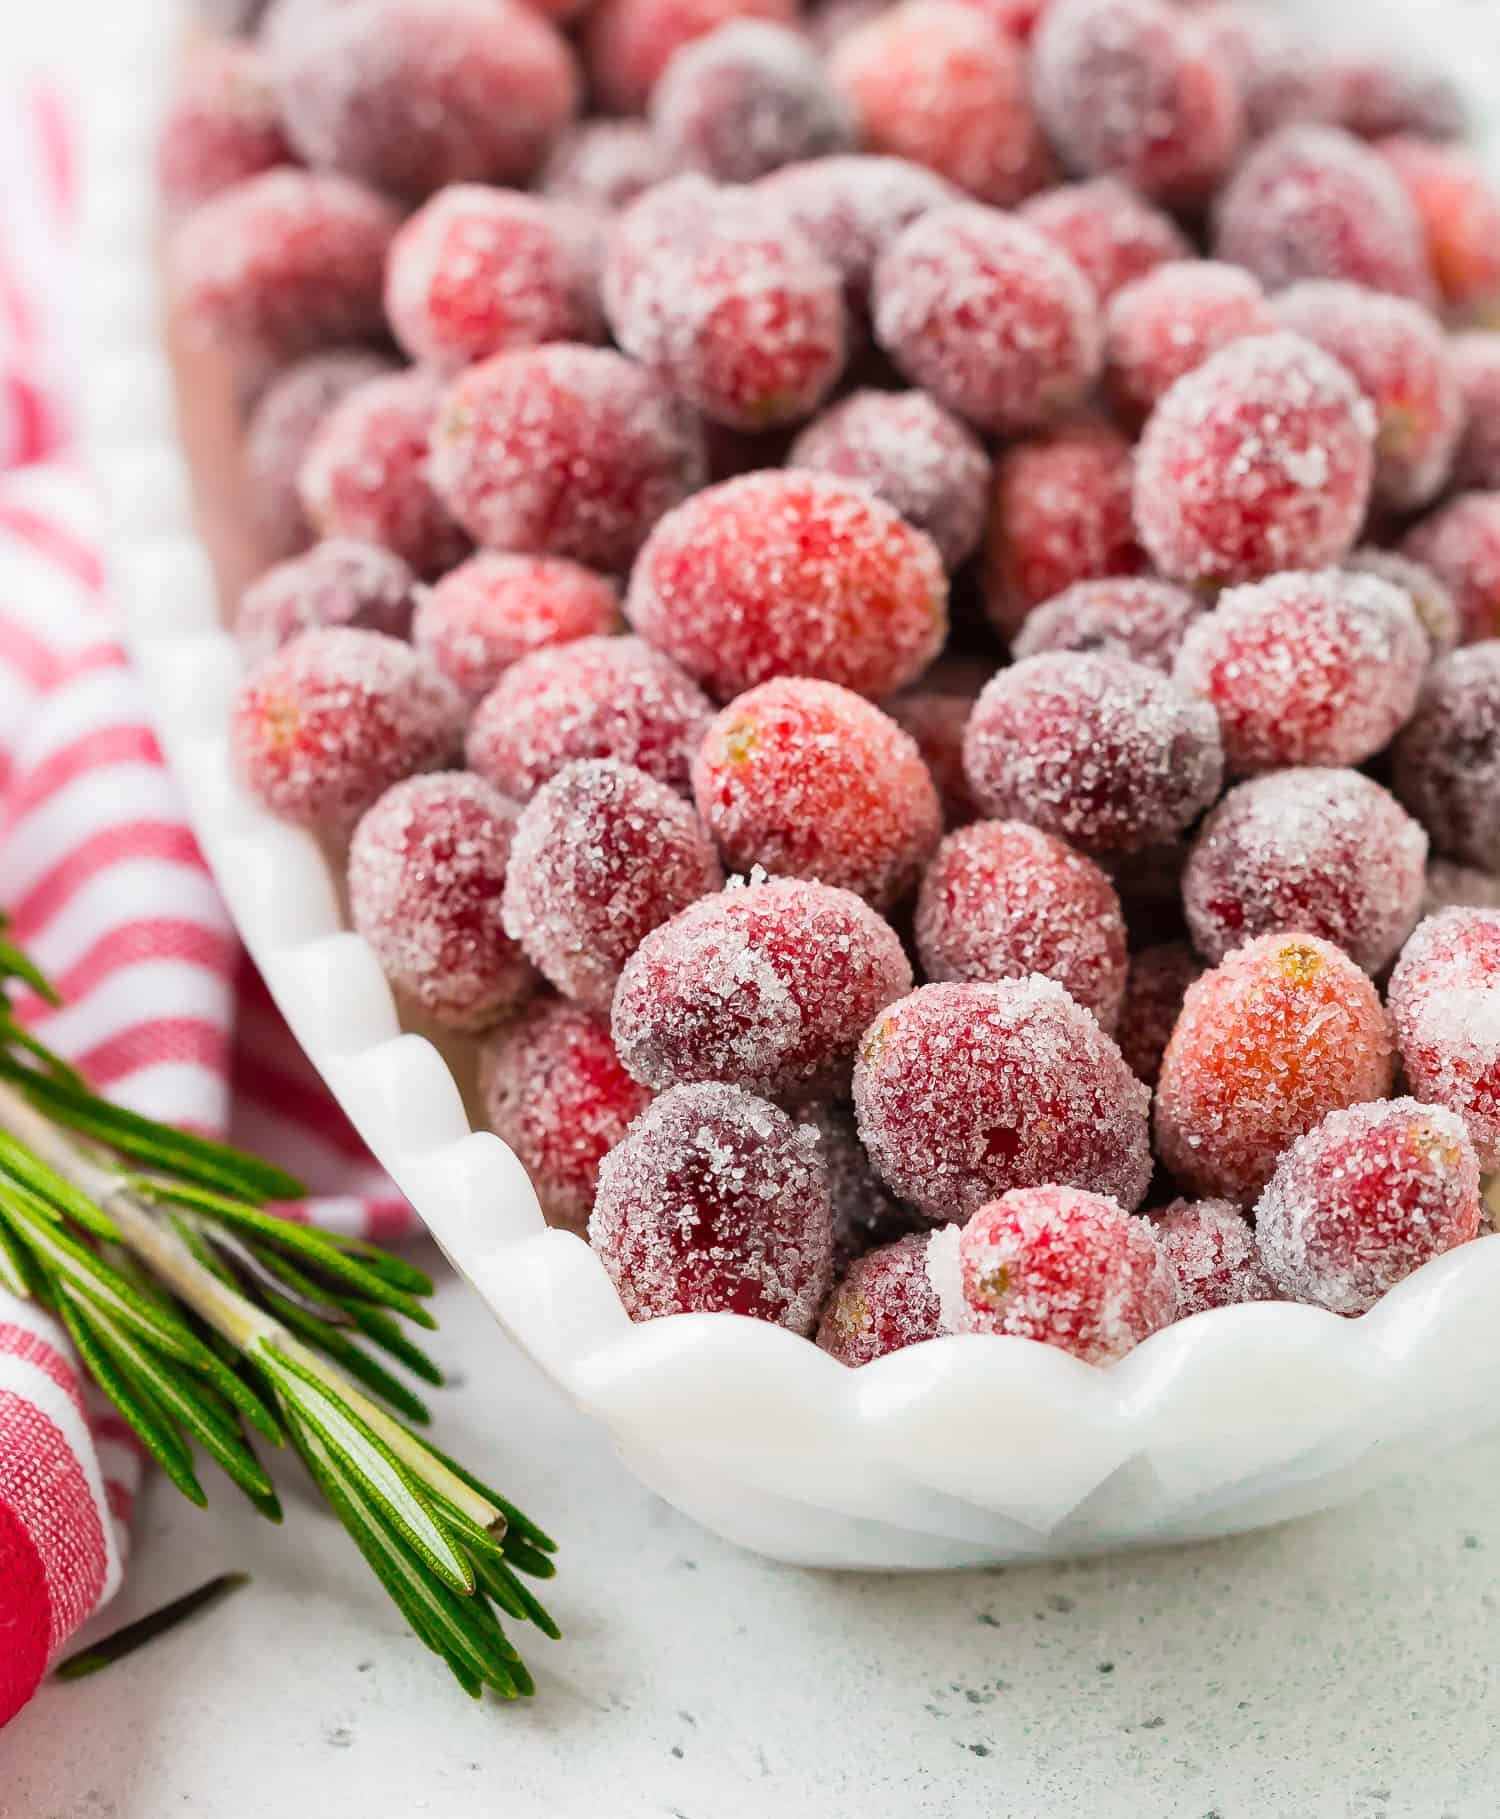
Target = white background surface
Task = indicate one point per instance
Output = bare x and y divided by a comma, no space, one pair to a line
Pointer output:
1343,1667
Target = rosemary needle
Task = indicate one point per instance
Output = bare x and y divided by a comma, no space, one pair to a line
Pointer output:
146,1629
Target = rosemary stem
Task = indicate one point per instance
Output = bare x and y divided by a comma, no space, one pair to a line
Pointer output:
249,1328
229,1313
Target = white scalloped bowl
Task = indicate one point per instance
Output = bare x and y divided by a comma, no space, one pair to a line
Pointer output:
958,1451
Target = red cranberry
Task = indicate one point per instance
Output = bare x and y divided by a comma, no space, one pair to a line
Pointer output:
1259,459
603,854
931,81
590,698
716,1202
330,721
809,780
1313,202
914,455
408,95
553,1088
964,1091
1328,851
884,1303
986,314
365,473
1369,1195
1054,1264
563,451
1060,514
338,582
1002,900
1284,1031
1445,1002
1106,754
498,607
427,867
1319,668
787,572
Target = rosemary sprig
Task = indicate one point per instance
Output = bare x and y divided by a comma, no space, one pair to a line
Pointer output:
207,1319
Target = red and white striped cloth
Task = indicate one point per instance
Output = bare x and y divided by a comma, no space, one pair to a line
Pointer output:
106,888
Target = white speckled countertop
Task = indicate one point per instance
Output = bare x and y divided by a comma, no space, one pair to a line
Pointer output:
1341,1668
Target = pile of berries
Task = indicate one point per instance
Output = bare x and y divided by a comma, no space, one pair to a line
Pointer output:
917,719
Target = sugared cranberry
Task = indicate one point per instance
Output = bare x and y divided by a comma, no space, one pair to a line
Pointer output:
604,164
286,418
1445,1003
767,985
563,451
630,42
852,208
1319,668
427,868
1260,458
964,1091
553,1088
812,781
1155,986
338,582
1313,202
1170,321
989,316
478,270
1210,1246
884,1303
1132,88
330,721
1279,76
716,1202
719,294
1380,93
1142,621
365,473
1398,356
1109,232
1459,216
1055,1264
1107,754
498,607
791,573
1460,543
222,125
408,95
746,99
282,264
1328,851
603,854
1060,514
1431,598
931,81
591,698
914,455
1363,1199
1284,1031
1446,764
1002,900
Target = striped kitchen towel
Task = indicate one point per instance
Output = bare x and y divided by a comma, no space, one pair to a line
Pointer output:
106,888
